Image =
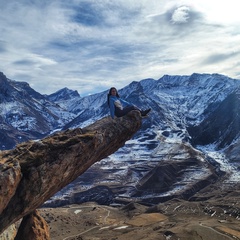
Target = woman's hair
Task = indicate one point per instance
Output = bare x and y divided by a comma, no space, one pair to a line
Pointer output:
109,94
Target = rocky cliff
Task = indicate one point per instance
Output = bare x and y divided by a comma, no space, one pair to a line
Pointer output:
34,171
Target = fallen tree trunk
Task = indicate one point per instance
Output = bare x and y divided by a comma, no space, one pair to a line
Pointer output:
36,170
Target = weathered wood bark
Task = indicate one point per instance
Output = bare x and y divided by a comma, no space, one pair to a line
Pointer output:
33,227
50,164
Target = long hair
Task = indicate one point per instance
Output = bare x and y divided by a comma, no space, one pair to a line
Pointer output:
109,94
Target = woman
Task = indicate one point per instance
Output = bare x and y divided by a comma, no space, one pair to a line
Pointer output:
119,107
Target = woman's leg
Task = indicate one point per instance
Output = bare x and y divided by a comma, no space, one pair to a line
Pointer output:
125,111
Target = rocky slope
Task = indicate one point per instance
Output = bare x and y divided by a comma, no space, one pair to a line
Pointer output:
34,171
188,112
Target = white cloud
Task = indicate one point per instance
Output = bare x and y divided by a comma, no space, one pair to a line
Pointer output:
92,45
181,15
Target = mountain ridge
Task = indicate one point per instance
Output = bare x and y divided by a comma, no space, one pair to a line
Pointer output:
181,107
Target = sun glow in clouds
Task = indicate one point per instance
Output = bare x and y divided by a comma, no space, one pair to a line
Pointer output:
222,12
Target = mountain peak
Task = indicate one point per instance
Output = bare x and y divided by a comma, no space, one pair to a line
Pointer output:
63,94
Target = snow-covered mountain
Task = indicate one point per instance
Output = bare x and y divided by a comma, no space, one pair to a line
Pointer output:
26,114
192,117
178,102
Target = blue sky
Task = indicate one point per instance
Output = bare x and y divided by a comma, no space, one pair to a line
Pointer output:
93,45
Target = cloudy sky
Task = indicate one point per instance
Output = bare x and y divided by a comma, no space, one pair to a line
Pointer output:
92,45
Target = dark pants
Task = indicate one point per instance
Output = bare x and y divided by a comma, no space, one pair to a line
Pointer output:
125,111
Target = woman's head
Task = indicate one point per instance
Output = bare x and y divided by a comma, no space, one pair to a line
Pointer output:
113,92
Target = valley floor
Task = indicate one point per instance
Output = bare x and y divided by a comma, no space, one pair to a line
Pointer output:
212,214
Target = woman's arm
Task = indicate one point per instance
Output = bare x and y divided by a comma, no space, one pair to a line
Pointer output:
112,107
